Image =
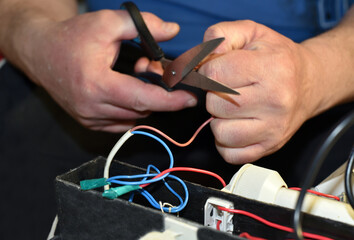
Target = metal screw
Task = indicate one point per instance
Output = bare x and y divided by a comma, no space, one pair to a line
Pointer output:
173,73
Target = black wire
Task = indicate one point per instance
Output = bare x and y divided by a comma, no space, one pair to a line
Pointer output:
316,164
348,179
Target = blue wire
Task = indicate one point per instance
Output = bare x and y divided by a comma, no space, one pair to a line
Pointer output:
145,180
160,141
147,171
166,184
156,205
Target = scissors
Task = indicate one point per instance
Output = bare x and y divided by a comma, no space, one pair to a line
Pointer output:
184,68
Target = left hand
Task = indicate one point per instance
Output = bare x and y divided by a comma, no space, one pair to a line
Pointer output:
274,76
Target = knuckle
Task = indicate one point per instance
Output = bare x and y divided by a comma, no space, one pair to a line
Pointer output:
218,131
139,105
211,69
248,23
213,31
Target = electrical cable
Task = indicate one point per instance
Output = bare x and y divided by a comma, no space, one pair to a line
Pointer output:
248,236
156,205
271,224
117,146
317,193
113,152
132,131
348,179
218,223
315,166
165,183
170,139
189,169
148,177
53,228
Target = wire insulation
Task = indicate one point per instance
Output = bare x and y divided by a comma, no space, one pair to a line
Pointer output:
271,224
113,152
317,193
348,179
170,139
315,166
188,169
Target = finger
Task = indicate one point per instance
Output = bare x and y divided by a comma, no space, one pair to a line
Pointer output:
159,29
250,103
237,68
145,65
115,127
241,155
131,93
237,34
142,65
239,133
109,111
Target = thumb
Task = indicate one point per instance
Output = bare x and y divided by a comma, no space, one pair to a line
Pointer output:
159,29
237,34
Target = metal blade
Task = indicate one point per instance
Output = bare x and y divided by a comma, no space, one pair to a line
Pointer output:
196,79
185,63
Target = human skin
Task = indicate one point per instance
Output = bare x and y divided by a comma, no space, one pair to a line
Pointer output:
71,56
282,84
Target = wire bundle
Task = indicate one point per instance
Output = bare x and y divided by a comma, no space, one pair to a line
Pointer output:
137,183
149,178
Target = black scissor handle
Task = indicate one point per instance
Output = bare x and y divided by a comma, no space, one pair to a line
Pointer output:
147,42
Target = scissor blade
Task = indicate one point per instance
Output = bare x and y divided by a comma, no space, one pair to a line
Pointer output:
185,63
195,55
196,79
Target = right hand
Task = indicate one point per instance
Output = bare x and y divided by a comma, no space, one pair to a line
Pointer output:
72,60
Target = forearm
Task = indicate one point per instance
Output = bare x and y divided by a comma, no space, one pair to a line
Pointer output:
333,66
21,20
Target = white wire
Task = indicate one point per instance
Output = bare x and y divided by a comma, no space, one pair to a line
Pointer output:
53,228
2,62
113,152
109,160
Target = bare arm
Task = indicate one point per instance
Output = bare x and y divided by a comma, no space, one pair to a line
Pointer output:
21,19
334,73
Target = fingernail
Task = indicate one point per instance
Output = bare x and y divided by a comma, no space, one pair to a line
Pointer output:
170,27
191,102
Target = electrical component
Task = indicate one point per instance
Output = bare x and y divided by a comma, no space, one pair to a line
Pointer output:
217,219
334,183
145,179
271,224
266,185
175,229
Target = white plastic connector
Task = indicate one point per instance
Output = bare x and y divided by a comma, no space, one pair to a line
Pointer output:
334,183
256,183
175,229
267,186
213,217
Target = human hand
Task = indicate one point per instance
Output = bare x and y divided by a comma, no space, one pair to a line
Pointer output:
275,78
72,60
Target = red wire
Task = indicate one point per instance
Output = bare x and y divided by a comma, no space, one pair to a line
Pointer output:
317,193
248,236
170,139
188,169
271,224
218,225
